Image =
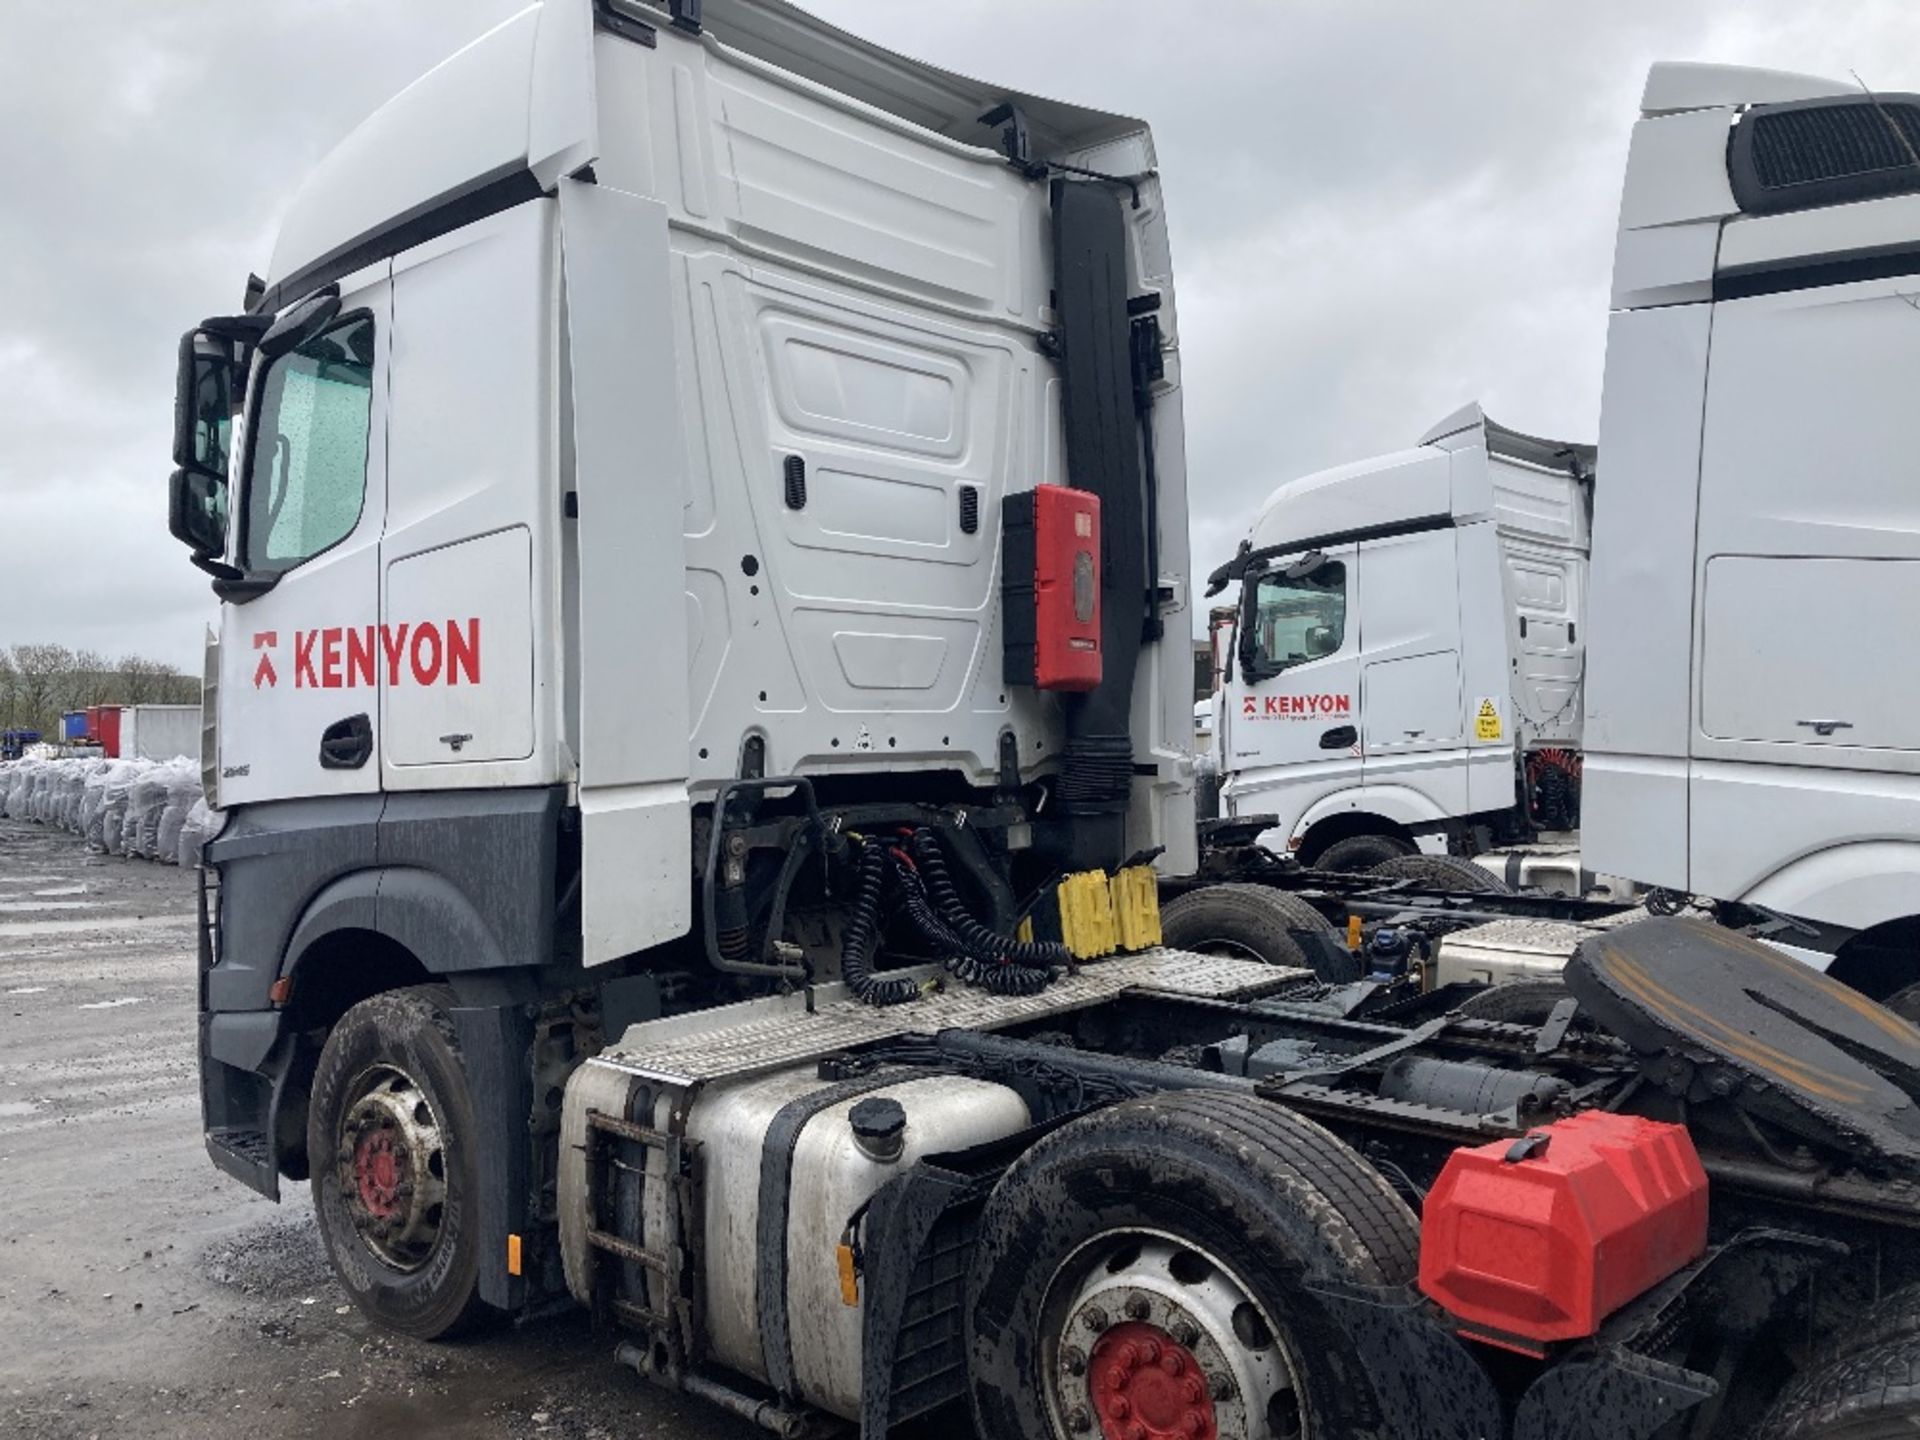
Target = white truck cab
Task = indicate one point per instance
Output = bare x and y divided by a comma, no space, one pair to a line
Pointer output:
1753,705
1408,649
625,491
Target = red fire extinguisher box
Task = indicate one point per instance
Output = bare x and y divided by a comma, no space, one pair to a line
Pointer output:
1050,588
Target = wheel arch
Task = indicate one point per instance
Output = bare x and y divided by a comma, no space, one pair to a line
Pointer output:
1859,884
1361,810
363,934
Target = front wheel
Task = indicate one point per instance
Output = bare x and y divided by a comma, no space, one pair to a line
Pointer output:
395,1177
1149,1270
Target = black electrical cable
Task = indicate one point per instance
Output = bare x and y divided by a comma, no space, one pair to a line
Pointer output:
964,960
981,942
923,890
863,935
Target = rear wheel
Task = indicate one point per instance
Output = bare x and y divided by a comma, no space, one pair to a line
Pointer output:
1249,922
1905,1002
1357,854
1149,1271
1518,1002
1872,1394
394,1173
1442,872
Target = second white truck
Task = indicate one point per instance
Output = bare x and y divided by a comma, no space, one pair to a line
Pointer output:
1733,708
1409,648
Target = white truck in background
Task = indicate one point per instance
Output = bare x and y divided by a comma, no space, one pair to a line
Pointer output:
1749,733
1410,663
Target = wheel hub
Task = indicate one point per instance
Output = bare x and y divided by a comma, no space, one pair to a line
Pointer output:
380,1167
1156,1341
1146,1385
391,1164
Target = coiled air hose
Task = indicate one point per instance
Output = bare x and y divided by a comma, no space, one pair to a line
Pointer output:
862,935
979,942
931,907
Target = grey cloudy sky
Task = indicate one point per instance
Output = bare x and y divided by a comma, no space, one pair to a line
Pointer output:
1380,210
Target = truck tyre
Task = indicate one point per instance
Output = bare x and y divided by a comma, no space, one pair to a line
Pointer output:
395,1177
1357,854
1905,1002
1250,922
1872,1394
1161,1255
1442,872
1895,1316
1517,1002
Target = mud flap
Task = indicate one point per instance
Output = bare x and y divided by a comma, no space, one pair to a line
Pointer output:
1612,1395
1429,1385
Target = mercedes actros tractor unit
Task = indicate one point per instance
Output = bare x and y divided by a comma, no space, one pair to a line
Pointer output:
701,716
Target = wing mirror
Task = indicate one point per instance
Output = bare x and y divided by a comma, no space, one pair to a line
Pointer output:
300,324
1246,634
208,385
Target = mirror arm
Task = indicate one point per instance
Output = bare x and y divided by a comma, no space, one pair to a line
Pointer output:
242,588
218,569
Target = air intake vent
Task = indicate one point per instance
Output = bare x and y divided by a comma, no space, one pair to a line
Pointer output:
1825,152
969,509
796,483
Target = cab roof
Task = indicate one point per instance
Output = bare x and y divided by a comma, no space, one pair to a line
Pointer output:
504,118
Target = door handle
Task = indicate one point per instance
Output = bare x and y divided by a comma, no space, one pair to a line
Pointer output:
1825,727
346,744
1339,738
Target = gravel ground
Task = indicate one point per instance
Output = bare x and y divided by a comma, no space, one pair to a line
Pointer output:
143,1294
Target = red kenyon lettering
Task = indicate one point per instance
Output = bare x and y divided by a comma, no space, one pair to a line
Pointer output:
463,651
428,671
360,652
303,676
394,643
330,658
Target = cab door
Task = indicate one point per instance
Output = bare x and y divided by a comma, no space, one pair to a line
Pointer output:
1415,733
1293,712
299,663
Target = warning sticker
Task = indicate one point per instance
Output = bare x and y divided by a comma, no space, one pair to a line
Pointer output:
1486,720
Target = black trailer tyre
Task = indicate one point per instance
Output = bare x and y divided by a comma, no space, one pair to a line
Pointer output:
1905,1002
1442,872
1518,1002
1873,1394
395,1177
1157,1257
1358,854
1250,922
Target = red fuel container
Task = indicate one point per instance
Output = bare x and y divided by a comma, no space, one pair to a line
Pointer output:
1531,1241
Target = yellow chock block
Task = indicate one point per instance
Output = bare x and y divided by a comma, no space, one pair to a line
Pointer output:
1086,915
1136,907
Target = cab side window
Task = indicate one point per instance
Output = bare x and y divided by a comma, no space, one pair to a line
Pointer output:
1297,619
308,479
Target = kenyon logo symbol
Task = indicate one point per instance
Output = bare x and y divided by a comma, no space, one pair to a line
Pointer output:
1294,707
345,658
